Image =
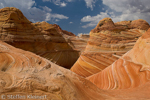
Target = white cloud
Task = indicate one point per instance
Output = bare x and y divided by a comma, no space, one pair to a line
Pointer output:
61,3
19,3
56,20
52,17
70,22
120,10
93,20
33,13
70,0
59,16
47,9
90,3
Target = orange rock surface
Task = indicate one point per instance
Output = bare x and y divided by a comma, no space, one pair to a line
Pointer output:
23,73
41,38
64,32
131,71
76,42
107,43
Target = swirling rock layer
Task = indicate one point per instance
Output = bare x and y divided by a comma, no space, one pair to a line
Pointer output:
130,71
78,43
107,43
41,38
24,73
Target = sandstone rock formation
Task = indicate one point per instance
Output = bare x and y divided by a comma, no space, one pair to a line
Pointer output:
107,43
131,71
41,38
64,32
24,73
76,42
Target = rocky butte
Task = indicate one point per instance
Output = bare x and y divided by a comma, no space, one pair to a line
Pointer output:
108,42
41,38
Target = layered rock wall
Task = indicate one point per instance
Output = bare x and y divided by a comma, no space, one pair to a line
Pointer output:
130,71
107,43
41,38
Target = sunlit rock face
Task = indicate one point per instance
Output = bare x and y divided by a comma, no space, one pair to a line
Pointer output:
24,73
107,43
132,70
76,42
41,38
64,32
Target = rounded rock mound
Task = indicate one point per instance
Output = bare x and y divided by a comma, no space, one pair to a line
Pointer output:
41,38
108,42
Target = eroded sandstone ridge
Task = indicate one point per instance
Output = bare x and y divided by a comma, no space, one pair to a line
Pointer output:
132,70
24,73
107,43
41,38
76,42
64,32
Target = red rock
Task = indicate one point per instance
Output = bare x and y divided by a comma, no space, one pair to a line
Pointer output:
41,38
132,70
24,73
107,43
64,32
77,43
105,23
140,24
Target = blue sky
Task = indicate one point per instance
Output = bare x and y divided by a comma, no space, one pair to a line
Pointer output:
80,16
